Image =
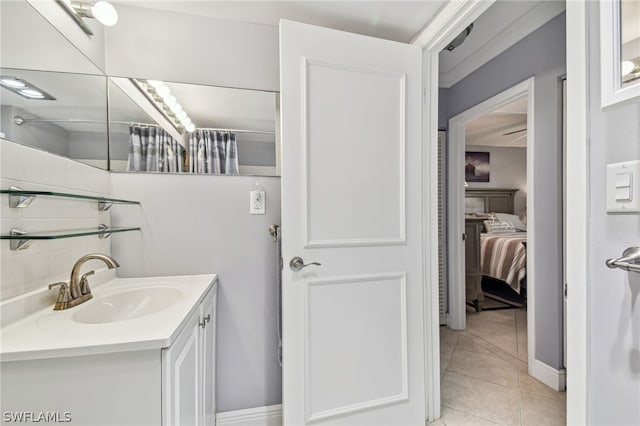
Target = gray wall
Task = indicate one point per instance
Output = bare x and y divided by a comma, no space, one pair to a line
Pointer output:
201,223
541,54
508,170
614,295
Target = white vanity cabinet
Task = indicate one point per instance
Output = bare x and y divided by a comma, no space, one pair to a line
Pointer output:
188,371
155,370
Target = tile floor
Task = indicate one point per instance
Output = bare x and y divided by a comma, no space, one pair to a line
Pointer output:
484,378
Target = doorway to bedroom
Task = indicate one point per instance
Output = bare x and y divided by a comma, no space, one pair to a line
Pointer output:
490,340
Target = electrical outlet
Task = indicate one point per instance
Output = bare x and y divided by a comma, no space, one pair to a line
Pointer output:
257,202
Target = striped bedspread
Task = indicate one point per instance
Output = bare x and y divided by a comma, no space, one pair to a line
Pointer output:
504,256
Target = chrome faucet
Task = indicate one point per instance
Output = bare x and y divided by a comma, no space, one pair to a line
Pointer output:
78,291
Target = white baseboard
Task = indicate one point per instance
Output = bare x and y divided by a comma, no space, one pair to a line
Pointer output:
270,415
555,379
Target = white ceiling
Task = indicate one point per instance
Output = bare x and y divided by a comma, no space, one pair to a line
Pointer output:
393,20
493,129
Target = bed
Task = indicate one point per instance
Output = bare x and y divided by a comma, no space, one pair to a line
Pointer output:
502,241
503,256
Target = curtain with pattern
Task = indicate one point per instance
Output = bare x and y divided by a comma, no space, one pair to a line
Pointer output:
213,152
151,149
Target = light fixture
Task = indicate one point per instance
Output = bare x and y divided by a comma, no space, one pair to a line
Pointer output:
460,38
627,67
155,83
12,82
160,96
32,93
630,70
163,91
101,10
171,101
25,89
177,108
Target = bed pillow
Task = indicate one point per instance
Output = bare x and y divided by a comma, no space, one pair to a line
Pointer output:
497,226
512,219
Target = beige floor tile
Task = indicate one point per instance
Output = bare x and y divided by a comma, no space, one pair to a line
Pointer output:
540,411
499,334
530,385
480,398
471,343
484,367
448,335
500,316
448,341
521,331
451,417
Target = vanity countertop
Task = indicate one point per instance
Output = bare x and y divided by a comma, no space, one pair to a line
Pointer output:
51,334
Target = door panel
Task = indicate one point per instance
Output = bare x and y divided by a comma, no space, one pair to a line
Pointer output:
369,175
351,200
356,352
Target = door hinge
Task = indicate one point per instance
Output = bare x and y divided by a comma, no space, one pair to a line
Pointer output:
464,237
564,289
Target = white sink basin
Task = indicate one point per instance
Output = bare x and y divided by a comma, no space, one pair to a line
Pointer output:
127,304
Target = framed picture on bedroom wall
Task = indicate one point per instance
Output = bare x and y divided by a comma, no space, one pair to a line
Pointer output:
476,166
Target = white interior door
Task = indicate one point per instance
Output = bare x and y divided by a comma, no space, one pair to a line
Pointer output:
351,200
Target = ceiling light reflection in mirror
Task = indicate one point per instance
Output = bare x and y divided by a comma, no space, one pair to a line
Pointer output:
61,113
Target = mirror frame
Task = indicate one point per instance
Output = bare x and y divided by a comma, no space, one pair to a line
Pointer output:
612,92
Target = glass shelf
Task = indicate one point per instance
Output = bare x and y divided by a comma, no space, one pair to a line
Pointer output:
22,198
67,233
21,240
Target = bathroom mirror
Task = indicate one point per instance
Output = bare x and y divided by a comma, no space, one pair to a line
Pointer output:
61,113
619,52
52,97
72,121
629,42
219,117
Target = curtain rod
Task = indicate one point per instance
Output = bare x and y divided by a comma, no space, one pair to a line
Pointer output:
20,121
237,130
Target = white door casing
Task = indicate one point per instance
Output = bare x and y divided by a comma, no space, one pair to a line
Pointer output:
353,328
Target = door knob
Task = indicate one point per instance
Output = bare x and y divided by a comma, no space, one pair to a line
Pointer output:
297,264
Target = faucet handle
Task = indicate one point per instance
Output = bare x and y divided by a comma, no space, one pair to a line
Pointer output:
84,283
64,295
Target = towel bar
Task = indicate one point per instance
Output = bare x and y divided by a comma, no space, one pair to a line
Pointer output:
630,260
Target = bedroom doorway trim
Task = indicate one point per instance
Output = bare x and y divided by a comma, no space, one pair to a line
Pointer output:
456,318
449,22
578,204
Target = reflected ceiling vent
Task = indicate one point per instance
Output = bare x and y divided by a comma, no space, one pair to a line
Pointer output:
460,39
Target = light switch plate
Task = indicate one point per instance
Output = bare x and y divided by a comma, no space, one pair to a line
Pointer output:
623,187
257,202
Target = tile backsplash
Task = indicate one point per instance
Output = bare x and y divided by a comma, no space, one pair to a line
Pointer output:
48,261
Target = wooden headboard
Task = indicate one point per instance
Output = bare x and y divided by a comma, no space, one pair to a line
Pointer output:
489,200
